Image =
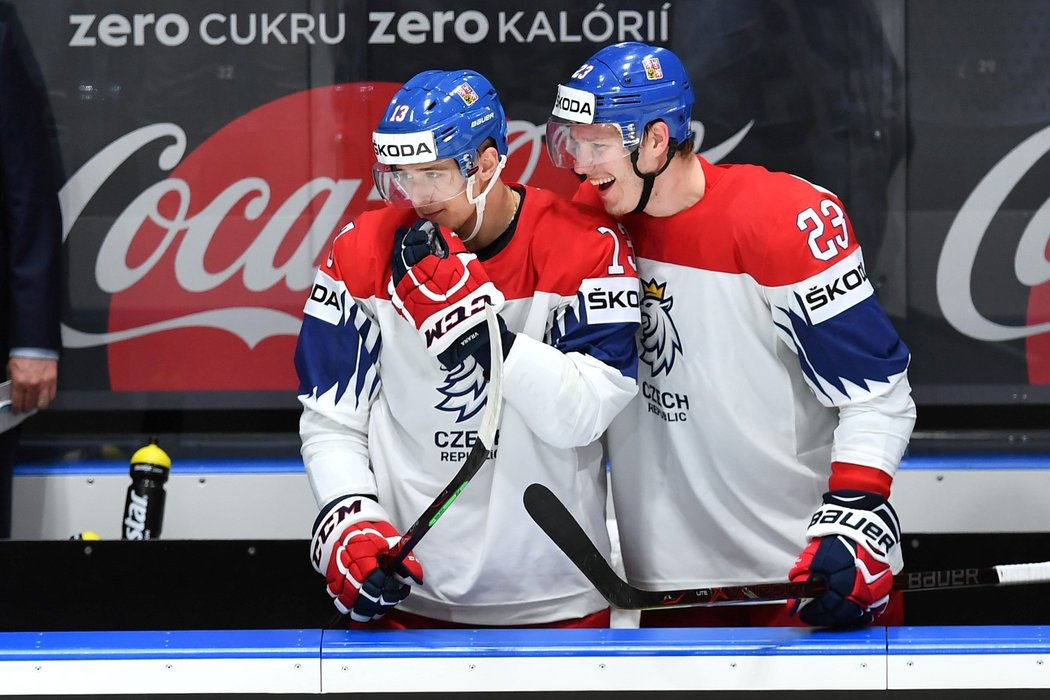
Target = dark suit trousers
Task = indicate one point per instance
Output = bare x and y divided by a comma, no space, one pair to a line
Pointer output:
8,446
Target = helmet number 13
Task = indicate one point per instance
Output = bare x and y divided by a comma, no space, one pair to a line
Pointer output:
831,221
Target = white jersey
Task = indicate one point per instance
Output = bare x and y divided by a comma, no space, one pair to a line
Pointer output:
764,358
382,418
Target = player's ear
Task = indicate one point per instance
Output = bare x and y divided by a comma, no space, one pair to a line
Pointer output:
657,138
488,159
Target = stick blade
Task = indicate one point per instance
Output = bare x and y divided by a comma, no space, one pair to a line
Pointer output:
558,523
555,519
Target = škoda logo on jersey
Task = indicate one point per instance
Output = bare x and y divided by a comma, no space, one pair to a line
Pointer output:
611,299
326,299
835,290
659,347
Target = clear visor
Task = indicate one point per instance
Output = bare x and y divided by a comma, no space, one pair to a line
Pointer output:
419,185
584,145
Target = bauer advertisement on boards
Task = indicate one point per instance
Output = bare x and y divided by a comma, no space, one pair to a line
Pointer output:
211,149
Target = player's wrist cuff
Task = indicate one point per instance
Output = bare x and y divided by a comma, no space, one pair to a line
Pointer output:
483,353
846,475
335,517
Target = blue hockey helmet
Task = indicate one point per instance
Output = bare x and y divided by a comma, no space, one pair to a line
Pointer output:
437,115
629,85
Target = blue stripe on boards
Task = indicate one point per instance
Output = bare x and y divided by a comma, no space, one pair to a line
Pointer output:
179,466
193,644
1031,462
343,644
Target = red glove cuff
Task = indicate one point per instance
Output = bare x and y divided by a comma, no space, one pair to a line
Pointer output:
854,477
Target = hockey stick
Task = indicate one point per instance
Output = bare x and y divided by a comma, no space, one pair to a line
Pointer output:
554,519
479,453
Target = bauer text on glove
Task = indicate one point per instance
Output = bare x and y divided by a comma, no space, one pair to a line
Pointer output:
854,545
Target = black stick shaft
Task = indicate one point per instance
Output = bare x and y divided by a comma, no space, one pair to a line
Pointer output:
560,525
478,455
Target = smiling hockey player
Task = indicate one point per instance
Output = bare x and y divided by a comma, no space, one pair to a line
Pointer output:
770,375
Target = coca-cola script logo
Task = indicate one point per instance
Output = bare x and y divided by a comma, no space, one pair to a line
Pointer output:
208,268
1031,265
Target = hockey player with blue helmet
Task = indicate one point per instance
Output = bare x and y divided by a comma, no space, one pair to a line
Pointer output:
393,357
770,373
429,142
602,113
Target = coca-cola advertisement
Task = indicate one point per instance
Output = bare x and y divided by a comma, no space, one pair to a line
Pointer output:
209,151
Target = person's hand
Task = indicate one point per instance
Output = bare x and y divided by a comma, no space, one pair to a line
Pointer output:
34,382
854,546
442,289
350,552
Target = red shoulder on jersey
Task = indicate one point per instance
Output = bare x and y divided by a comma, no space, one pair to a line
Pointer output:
773,226
793,228
360,254
570,242
587,194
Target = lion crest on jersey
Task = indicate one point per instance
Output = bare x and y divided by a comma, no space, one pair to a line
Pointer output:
463,391
658,341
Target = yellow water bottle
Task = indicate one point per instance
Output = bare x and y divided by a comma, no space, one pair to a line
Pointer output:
144,505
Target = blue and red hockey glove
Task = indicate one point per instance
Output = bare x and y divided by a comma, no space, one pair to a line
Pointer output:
442,289
350,539
854,545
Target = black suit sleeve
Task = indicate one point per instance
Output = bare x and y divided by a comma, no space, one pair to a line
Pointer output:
31,218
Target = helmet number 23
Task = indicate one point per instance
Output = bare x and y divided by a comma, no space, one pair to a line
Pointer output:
582,71
832,221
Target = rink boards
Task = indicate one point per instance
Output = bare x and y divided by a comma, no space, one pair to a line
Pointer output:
57,500
552,662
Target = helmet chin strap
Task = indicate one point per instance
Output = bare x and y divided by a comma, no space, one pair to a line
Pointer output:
479,201
649,179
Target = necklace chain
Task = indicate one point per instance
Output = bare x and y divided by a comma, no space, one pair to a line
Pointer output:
516,196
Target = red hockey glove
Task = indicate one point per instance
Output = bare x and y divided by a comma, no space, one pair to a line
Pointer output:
442,289
412,245
854,545
349,542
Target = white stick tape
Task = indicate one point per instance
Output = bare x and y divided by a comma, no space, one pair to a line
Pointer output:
1024,573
